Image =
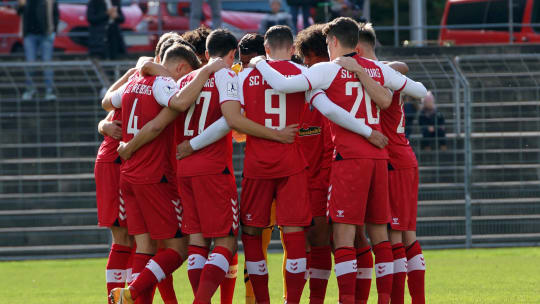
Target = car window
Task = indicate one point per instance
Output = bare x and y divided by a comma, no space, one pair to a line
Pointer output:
535,18
497,12
467,13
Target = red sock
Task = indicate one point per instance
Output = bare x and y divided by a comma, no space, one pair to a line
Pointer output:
117,263
364,260
295,275
320,267
129,267
157,269
227,286
416,270
384,269
213,273
256,267
166,289
346,269
196,260
400,273
139,262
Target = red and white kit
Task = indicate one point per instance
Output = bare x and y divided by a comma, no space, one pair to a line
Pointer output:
111,209
206,178
403,167
147,178
272,169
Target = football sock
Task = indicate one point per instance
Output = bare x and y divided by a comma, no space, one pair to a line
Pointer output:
345,269
115,273
227,286
295,277
416,270
384,269
283,264
166,289
196,259
400,273
250,296
157,269
320,266
256,267
139,262
129,270
364,260
214,271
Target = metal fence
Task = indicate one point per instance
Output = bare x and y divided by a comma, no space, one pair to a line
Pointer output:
482,190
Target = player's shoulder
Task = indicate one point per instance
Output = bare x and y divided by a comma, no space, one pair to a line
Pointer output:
226,73
245,73
327,66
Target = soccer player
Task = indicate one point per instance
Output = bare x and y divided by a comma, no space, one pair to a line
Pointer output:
359,182
197,38
148,183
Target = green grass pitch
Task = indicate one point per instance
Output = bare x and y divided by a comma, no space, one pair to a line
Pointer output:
453,276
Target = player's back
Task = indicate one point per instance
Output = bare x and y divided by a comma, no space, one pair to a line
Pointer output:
273,109
347,91
393,126
142,100
217,157
107,150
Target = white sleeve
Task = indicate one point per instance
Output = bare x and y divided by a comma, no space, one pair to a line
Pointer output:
396,81
279,82
116,98
210,135
338,115
242,76
321,75
163,89
226,82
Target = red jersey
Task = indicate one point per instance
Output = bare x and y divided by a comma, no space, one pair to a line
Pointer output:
266,106
393,125
107,150
141,99
215,158
315,140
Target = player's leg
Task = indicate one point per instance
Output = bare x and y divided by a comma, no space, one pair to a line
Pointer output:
400,267
377,219
364,260
197,256
293,214
320,258
226,289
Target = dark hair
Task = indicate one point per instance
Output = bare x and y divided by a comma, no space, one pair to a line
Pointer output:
366,34
197,38
252,43
311,40
344,29
279,36
181,51
170,42
220,42
162,39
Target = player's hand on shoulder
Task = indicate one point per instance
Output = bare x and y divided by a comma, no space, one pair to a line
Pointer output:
215,64
287,135
143,59
348,63
123,151
113,129
253,62
378,139
184,150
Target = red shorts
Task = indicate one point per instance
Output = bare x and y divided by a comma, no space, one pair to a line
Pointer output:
110,207
290,193
403,188
153,208
210,205
358,192
318,192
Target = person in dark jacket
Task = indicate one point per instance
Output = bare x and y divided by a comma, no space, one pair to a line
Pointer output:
431,122
295,6
39,20
105,38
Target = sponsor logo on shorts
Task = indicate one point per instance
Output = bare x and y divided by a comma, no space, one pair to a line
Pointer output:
340,213
248,217
395,221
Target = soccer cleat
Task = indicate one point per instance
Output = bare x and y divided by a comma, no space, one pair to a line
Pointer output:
120,296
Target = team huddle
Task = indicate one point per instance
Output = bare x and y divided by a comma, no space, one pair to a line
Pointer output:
326,160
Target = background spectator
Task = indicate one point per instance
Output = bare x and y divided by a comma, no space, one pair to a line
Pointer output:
432,124
40,20
105,36
410,108
295,6
347,8
276,18
195,15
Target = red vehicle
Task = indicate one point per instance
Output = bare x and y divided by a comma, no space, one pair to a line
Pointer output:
72,32
487,18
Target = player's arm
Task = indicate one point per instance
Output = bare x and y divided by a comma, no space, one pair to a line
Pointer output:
210,135
106,102
345,119
380,95
399,66
150,68
106,127
278,81
394,80
147,133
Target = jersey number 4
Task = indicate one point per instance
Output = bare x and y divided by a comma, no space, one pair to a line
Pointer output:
133,119
372,119
281,110
205,96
